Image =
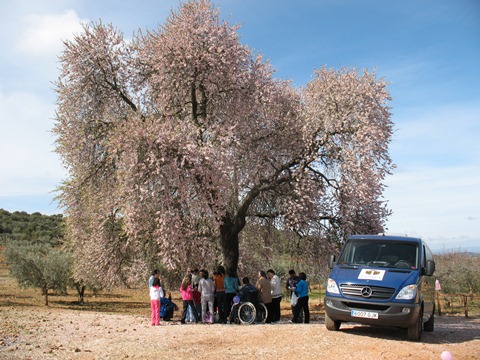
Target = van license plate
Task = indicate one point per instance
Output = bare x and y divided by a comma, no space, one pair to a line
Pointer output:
364,314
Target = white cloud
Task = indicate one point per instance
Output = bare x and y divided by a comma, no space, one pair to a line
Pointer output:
29,165
445,131
434,191
441,203
41,36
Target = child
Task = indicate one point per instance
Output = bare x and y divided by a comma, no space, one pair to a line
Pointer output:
156,293
167,306
187,297
197,300
207,289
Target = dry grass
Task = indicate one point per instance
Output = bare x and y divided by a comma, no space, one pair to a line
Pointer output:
118,301
136,301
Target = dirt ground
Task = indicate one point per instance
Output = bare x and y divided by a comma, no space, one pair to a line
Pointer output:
33,332
116,325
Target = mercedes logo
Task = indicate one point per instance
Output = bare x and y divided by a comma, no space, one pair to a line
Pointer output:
366,291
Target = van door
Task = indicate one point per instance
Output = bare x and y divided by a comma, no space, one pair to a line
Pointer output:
428,284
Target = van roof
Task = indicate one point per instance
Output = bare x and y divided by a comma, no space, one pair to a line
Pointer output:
386,237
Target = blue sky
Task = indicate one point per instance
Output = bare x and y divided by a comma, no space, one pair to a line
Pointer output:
429,52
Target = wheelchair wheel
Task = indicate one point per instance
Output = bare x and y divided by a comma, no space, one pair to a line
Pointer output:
262,313
246,313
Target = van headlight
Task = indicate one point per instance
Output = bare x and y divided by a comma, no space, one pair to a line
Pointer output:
332,287
407,293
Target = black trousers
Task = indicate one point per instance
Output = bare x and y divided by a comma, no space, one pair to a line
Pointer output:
269,312
228,303
220,298
276,308
302,304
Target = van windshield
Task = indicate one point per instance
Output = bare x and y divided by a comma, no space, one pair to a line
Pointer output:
380,254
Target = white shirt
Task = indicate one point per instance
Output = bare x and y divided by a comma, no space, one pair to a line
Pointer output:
276,286
156,293
207,288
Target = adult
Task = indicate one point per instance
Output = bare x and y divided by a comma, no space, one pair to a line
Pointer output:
219,282
265,291
302,303
154,276
291,284
207,288
231,285
195,278
276,295
247,293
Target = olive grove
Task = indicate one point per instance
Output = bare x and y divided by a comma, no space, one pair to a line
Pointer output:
179,139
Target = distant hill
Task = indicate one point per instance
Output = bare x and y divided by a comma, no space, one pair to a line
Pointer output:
20,225
471,251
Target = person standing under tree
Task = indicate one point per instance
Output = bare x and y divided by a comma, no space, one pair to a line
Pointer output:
195,278
207,288
156,293
152,277
276,295
302,304
231,285
265,291
219,281
291,284
187,297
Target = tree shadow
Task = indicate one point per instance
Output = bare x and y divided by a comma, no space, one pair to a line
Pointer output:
119,307
11,303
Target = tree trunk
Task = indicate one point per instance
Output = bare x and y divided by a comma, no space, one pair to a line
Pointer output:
45,292
81,293
439,309
230,246
465,305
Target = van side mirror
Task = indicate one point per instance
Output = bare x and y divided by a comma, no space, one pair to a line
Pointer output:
430,269
331,261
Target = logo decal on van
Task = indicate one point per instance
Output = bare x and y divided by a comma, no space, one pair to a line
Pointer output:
367,292
368,274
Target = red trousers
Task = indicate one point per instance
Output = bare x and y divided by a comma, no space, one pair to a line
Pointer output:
155,307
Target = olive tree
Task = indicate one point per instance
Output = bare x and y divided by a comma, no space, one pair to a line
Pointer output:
459,274
39,265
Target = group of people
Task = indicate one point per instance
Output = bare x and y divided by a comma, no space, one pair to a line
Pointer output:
204,296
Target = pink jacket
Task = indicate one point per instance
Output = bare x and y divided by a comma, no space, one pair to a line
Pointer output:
187,294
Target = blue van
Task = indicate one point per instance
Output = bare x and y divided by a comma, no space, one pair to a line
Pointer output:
382,280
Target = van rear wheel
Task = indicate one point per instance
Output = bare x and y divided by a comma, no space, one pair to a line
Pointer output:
332,325
430,324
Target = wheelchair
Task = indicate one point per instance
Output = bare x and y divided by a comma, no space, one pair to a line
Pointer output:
248,312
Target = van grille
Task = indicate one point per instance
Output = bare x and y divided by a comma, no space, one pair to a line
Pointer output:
358,291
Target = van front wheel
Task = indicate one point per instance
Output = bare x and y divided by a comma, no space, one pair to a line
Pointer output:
332,325
415,331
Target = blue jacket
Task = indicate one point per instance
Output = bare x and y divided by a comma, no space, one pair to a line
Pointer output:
302,289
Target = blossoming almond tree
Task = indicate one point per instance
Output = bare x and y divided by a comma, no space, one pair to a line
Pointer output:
176,140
